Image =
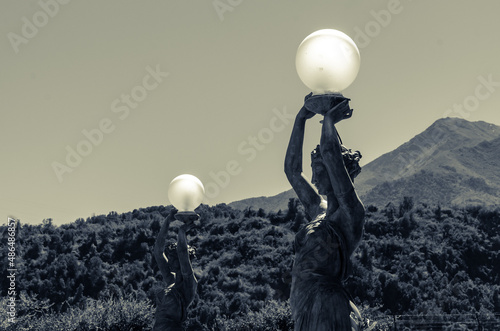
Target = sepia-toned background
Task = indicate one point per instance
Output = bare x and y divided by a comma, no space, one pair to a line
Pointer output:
103,103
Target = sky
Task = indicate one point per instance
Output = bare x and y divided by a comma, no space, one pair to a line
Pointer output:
103,103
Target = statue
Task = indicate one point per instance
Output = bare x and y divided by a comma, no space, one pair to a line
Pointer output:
180,282
323,246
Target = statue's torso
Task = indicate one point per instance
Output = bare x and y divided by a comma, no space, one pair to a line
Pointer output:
171,306
318,299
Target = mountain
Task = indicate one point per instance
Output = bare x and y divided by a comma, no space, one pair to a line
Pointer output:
454,161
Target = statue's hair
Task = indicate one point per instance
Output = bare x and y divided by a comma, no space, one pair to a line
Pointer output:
351,160
172,248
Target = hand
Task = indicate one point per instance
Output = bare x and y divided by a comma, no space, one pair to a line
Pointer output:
172,213
307,96
340,112
305,114
188,220
189,225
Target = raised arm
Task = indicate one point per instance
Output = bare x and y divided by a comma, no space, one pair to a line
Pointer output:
185,263
160,258
308,196
331,150
182,250
343,188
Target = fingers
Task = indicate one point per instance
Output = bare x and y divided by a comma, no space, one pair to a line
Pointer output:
344,107
189,222
342,104
306,113
339,107
194,217
308,96
310,114
171,215
348,113
188,226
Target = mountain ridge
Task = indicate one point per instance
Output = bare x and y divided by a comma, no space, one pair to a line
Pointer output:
453,157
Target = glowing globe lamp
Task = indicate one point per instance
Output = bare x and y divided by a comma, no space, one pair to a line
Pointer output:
327,61
186,192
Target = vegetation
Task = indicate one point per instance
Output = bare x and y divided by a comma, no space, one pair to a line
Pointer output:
99,273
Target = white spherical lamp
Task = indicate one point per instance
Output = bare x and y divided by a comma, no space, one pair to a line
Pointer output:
327,61
186,192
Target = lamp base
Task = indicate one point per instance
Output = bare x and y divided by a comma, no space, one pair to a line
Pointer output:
321,103
186,216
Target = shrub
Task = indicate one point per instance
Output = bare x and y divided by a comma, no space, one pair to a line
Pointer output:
111,314
274,316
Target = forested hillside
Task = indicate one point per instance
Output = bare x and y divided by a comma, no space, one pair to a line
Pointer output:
415,259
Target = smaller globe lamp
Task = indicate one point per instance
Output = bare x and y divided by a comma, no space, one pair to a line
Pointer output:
186,193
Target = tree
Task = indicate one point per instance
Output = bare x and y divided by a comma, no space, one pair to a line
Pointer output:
405,206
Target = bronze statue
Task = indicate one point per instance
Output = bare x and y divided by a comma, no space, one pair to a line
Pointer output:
323,246
180,282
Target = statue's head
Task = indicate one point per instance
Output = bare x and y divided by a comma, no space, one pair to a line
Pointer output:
173,259
320,177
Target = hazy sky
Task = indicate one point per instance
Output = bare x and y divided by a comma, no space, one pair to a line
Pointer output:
103,103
